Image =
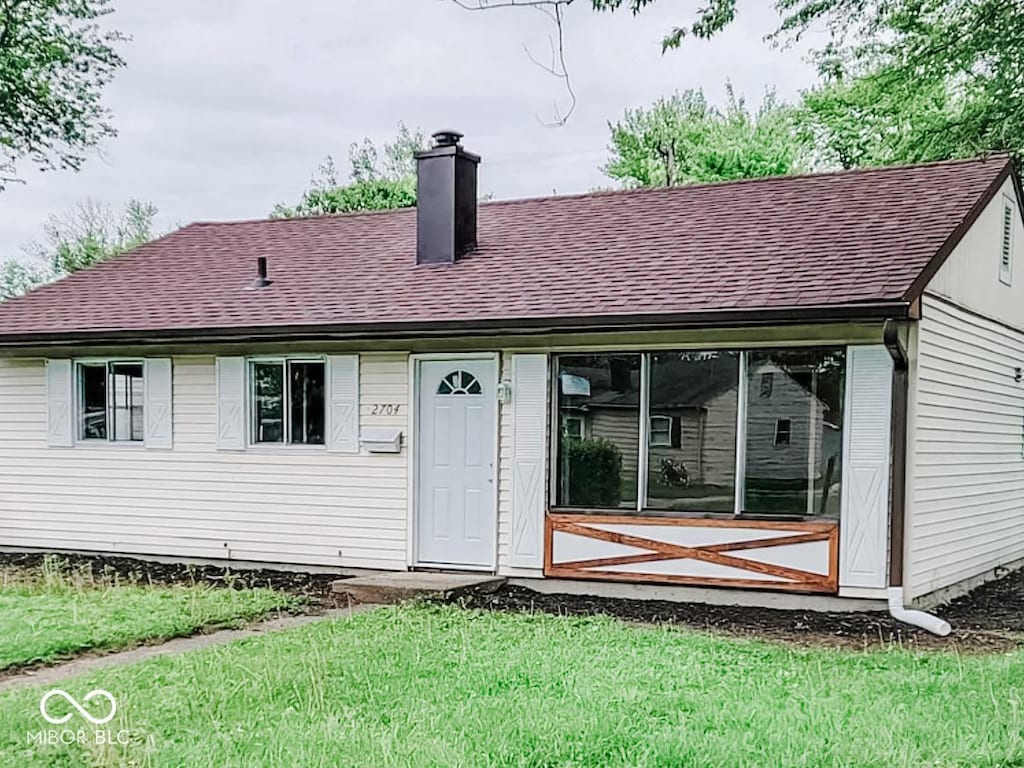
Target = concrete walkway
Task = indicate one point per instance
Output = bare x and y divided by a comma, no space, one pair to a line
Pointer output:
60,672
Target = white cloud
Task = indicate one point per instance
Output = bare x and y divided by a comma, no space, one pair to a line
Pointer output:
226,107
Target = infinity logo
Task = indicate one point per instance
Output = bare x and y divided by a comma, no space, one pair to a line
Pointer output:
98,693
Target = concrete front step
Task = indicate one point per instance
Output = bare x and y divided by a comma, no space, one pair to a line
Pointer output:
408,585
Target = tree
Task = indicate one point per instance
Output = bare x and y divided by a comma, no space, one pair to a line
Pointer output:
86,235
684,140
380,179
54,63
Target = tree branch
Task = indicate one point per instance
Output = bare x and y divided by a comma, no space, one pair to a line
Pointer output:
553,9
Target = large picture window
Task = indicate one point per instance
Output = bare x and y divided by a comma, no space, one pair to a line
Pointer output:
599,430
696,469
794,436
287,402
110,401
755,432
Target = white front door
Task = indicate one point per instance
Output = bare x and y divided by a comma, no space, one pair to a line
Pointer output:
456,521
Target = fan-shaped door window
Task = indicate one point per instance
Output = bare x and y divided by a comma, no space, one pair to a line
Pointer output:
460,383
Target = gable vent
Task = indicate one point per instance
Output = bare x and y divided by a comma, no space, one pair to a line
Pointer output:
1006,255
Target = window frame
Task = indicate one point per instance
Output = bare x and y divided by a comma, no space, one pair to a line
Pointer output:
285,444
79,401
650,431
779,421
742,409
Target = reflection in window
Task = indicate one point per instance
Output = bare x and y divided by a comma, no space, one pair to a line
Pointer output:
597,465
460,383
288,404
92,412
126,400
268,402
794,438
306,400
695,393
111,401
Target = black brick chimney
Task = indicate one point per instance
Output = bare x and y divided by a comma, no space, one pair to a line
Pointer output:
445,200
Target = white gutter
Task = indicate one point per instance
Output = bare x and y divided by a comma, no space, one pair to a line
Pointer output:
927,621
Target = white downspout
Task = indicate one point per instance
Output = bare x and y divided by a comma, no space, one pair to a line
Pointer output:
927,621
901,372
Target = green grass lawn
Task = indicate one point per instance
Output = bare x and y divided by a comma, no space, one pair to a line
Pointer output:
439,686
55,611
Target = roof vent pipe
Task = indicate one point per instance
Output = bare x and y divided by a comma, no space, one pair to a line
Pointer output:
261,280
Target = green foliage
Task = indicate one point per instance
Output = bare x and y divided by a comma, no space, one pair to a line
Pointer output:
381,179
88,234
906,80
93,232
684,140
57,610
54,63
595,472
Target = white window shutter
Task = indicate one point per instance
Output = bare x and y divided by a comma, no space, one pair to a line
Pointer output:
231,403
159,422
529,450
343,416
864,514
60,393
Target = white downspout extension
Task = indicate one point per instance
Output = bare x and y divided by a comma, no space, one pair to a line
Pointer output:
927,621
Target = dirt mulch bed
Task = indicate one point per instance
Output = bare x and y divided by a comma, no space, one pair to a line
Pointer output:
989,620
314,587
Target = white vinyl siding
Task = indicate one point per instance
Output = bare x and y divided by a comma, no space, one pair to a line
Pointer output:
967,471
307,507
973,277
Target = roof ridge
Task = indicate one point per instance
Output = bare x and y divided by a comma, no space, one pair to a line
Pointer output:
995,157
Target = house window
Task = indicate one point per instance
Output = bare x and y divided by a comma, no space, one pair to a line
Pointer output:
110,401
699,389
287,402
459,383
793,446
661,431
598,469
1006,249
713,443
783,429
572,427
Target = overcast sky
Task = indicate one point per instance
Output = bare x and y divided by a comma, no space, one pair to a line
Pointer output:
227,106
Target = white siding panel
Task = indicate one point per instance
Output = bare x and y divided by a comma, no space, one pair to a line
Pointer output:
305,506
529,424
863,545
967,486
970,276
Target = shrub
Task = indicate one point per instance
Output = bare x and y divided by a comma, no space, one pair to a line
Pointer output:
595,473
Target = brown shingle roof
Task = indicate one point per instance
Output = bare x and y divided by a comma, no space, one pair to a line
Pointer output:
774,245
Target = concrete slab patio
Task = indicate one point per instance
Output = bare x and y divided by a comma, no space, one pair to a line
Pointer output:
399,586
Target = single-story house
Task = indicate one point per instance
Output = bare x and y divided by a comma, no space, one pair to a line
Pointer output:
836,357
